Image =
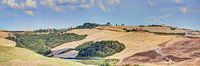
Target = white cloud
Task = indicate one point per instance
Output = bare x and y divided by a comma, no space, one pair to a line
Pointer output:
13,4
184,10
21,5
26,6
59,5
30,12
77,4
68,1
31,3
101,5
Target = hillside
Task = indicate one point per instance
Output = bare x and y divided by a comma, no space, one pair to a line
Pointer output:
5,42
14,56
134,41
178,52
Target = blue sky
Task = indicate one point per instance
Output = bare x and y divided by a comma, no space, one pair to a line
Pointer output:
35,14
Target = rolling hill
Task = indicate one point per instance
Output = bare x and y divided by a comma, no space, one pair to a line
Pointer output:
14,56
134,41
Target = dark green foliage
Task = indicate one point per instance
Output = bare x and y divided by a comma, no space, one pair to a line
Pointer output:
154,25
52,30
87,25
41,43
141,25
135,30
157,33
173,28
101,62
126,65
91,25
99,49
162,33
105,64
84,45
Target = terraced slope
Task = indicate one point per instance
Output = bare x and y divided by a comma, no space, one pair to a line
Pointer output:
134,41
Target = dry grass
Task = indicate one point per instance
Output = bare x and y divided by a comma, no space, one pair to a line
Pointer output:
5,42
134,41
13,56
3,34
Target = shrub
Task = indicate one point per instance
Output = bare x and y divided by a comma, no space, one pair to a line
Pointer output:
163,33
87,25
99,49
105,64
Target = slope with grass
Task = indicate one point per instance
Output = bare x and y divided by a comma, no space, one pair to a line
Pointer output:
14,56
5,42
134,41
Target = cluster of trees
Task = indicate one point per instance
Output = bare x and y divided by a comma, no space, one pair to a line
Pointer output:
84,26
163,33
172,28
135,30
42,43
52,30
99,49
154,25
157,33
91,25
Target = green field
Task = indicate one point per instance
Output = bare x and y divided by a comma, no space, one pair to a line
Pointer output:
13,56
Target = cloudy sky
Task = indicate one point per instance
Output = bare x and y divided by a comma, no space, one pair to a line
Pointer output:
35,14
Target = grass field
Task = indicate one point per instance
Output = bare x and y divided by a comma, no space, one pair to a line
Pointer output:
5,42
14,56
134,41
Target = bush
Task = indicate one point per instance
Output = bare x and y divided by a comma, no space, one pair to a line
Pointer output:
105,64
87,25
91,25
99,49
100,62
163,33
